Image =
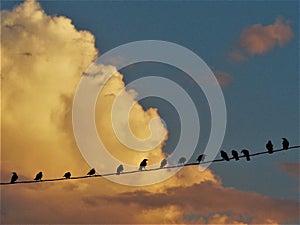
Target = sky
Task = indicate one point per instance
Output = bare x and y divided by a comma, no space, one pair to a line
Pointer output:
252,49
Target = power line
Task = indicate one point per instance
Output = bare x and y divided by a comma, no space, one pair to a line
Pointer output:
141,171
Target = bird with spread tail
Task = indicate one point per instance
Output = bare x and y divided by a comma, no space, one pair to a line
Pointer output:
143,164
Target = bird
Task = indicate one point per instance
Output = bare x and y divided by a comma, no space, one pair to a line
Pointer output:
201,158
14,178
38,176
285,143
163,163
269,146
235,154
91,172
246,154
143,164
182,160
120,169
67,175
224,155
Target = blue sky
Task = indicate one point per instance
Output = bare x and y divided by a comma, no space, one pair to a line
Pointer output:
262,96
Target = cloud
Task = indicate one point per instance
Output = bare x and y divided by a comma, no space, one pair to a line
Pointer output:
37,88
290,168
44,59
223,77
258,39
209,198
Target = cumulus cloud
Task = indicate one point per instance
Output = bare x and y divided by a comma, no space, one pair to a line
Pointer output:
43,59
259,39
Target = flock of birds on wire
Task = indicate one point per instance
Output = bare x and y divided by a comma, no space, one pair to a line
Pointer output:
181,161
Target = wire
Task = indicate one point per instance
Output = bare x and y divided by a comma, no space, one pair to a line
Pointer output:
141,171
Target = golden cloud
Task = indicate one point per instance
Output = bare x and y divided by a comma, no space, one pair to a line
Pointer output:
258,39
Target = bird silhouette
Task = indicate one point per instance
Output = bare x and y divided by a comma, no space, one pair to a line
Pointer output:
38,176
235,154
163,163
143,164
91,172
246,154
224,155
182,160
14,178
67,175
201,158
285,143
269,147
120,169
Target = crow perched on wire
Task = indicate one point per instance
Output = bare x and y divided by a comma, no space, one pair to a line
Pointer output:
224,155
285,143
182,160
269,147
14,178
163,163
143,164
235,154
201,158
120,169
67,175
39,176
246,154
91,172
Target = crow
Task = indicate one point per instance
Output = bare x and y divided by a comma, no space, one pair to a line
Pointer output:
91,172
163,163
269,146
120,169
235,154
201,158
182,160
14,178
246,154
38,177
285,143
224,155
143,164
67,175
